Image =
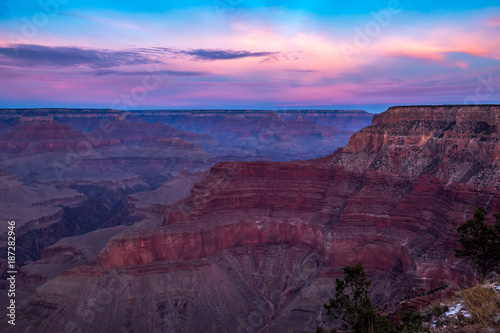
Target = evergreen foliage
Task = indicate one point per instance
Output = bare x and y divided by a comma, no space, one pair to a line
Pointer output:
480,243
351,308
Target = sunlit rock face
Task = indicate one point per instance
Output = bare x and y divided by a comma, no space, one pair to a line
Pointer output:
256,246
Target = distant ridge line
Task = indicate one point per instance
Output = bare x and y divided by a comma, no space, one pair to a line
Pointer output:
440,105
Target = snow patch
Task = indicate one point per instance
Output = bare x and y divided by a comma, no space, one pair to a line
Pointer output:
455,309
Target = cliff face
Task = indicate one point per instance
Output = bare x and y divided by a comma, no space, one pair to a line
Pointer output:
257,246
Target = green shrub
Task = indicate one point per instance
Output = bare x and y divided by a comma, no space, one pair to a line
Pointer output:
351,308
480,243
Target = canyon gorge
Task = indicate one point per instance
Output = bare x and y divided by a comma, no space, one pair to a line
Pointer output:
204,221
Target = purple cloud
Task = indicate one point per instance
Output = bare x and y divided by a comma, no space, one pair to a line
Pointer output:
210,54
161,72
206,54
27,55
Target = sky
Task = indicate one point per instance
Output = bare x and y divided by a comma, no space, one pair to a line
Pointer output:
238,54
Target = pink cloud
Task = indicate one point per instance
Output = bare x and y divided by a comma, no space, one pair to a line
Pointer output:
493,22
307,67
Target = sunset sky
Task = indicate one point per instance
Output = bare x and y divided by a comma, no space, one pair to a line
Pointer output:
248,54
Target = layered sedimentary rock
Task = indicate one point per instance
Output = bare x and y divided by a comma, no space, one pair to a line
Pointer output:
256,246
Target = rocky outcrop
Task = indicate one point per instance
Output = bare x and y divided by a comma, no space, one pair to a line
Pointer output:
67,253
176,189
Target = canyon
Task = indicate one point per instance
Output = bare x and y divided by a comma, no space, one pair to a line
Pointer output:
72,178
87,162
251,245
